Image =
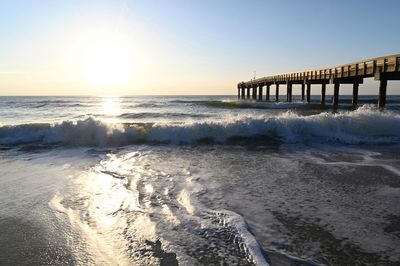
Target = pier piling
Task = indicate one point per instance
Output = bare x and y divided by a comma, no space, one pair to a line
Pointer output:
277,93
354,100
323,93
382,93
267,93
289,92
336,95
308,92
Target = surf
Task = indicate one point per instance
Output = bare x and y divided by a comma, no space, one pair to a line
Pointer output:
366,125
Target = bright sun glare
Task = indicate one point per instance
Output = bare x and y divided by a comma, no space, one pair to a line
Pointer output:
111,106
106,61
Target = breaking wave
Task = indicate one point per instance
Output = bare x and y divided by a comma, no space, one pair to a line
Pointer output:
366,125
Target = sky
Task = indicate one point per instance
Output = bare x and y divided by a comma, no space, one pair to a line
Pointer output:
184,47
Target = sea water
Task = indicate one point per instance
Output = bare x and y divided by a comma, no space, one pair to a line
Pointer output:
198,181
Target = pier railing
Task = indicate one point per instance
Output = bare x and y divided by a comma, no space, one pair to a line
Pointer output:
381,68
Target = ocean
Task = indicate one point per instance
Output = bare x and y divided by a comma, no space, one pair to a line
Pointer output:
198,180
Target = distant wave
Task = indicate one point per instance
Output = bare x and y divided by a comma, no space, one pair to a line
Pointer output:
41,104
149,104
255,105
251,104
159,115
144,115
365,125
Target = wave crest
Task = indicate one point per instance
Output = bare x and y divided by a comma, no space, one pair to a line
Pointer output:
365,125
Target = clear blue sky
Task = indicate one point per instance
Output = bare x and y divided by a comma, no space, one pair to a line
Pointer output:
193,47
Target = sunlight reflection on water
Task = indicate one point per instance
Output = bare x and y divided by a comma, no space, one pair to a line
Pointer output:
111,108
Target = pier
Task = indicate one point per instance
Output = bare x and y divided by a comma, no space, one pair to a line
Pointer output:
381,69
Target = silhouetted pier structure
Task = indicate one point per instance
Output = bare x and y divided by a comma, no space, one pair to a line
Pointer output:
381,68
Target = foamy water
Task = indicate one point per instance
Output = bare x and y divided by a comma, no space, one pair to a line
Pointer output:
198,181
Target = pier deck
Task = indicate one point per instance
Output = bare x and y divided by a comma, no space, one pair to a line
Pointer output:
380,68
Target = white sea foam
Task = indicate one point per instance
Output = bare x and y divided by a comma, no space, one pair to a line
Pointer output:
188,198
365,125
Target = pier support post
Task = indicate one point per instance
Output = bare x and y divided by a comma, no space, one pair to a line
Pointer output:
323,93
238,93
354,100
382,93
308,92
243,93
260,92
267,93
289,92
254,92
336,95
248,93
277,93
303,87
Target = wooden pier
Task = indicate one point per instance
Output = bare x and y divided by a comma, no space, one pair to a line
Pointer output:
381,68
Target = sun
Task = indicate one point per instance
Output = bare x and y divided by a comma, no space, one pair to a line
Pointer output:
106,61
